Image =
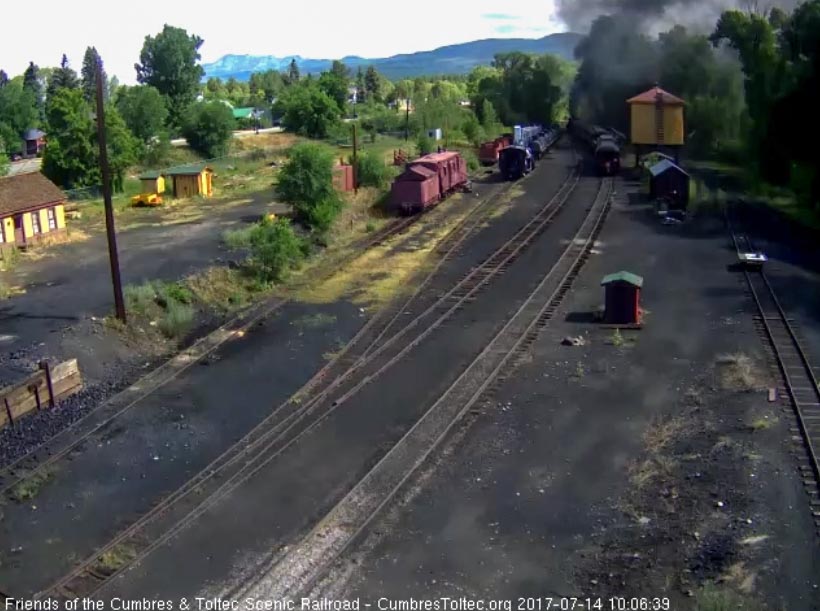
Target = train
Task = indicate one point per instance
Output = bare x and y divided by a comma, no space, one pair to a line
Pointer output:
529,145
428,180
603,143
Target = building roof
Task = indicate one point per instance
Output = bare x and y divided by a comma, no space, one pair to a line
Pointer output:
187,170
243,113
627,277
150,175
664,165
651,97
33,134
27,191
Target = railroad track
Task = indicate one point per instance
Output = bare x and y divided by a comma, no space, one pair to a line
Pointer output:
288,423
297,572
799,382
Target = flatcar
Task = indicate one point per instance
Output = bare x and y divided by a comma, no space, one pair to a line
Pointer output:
427,180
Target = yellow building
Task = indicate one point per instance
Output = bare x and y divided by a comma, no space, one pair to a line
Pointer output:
656,118
152,182
31,208
190,180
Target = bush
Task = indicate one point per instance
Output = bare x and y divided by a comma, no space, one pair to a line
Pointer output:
177,319
306,182
139,297
472,160
237,239
275,249
170,292
371,170
209,128
424,145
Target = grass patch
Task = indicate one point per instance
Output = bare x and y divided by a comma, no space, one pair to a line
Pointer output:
167,304
114,559
617,338
714,598
177,320
237,239
738,372
9,257
224,289
31,486
660,434
763,424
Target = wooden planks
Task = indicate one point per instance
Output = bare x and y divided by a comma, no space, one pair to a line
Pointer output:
40,390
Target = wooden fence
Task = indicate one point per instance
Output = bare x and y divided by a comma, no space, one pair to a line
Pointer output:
41,390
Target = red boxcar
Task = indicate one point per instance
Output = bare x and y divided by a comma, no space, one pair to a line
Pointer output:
428,180
415,189
489,151
450,167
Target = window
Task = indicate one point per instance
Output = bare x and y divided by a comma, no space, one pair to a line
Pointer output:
35,223
52,220
2,231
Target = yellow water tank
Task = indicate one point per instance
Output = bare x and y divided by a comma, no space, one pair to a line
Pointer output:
656,118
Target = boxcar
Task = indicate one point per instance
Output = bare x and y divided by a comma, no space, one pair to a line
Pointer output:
427,180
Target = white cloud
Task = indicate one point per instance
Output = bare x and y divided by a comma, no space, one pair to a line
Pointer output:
325,29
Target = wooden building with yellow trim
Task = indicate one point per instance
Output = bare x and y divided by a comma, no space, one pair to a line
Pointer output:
31,208
191,180
152,181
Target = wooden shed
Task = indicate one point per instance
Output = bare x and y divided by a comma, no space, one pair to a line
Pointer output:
190,180
670,182
623,296
31,208
656,121
152,182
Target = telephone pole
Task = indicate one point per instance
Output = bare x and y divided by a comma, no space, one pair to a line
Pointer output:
407,120
119,302
355,158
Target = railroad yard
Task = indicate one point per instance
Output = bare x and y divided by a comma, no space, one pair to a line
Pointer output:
480,433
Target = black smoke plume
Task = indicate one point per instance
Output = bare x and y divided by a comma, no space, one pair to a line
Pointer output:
653,16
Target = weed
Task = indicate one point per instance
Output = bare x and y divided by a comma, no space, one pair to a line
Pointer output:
114,559
30,487
224,289
579,370
738,372
617,339
9,258
762,424
660,434
140,297
370,227
237,239
169,292
712,598
177,319
5,291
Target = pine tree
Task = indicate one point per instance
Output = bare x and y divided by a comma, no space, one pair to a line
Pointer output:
372,84
89,75
361,90
31,82
64,77
293,72
4,78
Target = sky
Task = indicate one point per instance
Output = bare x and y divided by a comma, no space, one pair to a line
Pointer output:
320,29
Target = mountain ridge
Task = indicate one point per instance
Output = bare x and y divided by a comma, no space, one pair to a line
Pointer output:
450,59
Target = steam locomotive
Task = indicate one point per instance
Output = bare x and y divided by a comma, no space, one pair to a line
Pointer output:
604,144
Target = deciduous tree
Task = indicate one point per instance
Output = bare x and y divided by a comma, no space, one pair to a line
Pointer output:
169,62
143,109
209,128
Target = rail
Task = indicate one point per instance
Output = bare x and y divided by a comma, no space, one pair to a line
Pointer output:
300,568
791,359
282,427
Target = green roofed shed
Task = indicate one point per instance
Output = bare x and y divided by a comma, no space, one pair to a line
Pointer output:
623,298
627,277
243,113
150,175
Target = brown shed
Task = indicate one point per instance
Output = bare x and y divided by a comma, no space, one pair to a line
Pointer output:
623,296
190,180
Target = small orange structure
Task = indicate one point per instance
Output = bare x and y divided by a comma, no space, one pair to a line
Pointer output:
190,180
343,177
623,298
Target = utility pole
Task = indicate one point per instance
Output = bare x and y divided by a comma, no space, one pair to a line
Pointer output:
119,303
355,158
407,120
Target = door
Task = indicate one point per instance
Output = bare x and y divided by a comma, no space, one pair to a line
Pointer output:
18,229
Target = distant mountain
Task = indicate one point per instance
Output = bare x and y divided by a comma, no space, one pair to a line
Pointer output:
453,59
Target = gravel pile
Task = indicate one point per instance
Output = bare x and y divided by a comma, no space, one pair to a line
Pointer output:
38,427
